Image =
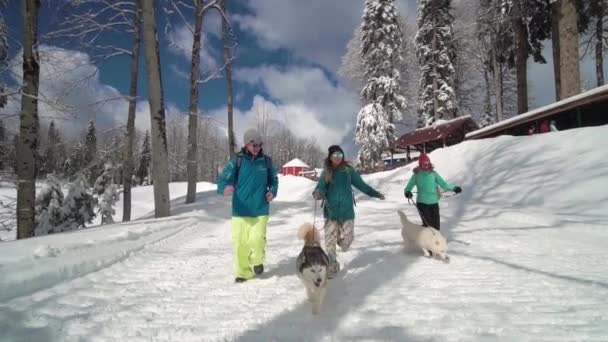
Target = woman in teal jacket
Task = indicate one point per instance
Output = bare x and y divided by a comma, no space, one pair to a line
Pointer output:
251,180
334,187
426,180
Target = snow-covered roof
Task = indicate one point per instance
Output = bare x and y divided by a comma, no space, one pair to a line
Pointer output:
560,106
296,163
401,155
444,129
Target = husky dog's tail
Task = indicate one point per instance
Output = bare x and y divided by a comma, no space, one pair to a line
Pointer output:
308,233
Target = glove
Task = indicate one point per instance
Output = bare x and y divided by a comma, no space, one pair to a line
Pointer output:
457,189
317,195
381,196
408,194
228,190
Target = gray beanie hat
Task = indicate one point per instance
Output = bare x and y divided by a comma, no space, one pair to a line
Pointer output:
252,135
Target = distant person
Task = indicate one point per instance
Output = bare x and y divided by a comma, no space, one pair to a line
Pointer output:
553,126
251,180
544,127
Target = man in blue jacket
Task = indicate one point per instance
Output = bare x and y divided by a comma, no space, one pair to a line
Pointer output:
251,180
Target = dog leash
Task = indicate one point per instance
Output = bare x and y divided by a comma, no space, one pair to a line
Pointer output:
314,214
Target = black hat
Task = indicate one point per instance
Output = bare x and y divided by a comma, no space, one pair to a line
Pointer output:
334,148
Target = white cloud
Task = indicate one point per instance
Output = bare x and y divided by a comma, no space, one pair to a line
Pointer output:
316,30
72,94
180,43
304,99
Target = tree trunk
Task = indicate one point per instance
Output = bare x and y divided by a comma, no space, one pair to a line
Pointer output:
160,167
521,55
128,157
28,126
498,86
555,15
568,43
434,48
193,108
599,47
227,60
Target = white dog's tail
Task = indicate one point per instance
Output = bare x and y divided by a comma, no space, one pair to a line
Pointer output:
308,233
404,221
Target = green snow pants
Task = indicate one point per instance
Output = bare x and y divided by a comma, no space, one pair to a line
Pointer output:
249,241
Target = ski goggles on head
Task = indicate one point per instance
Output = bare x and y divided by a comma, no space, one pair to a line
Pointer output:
337,155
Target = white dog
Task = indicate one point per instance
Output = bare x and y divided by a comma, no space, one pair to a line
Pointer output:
312,266
426,238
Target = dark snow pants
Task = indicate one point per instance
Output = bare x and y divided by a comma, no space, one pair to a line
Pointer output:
429,214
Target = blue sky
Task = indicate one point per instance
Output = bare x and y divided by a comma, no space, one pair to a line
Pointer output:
286,64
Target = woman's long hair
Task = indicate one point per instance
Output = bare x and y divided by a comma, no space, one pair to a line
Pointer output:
329,168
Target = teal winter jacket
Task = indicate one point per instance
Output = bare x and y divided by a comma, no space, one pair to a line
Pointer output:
338,194
426,183
255,180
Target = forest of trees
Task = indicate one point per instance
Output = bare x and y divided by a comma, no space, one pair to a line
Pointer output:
453,59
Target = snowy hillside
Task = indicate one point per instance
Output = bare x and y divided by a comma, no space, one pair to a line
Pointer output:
527,243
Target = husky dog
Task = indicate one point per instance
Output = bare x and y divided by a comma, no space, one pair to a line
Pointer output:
312,266
426,238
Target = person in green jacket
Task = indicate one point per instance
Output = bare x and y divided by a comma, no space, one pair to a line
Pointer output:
334,187
427,180
251,180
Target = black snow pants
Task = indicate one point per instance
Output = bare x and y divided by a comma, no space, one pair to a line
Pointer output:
429,214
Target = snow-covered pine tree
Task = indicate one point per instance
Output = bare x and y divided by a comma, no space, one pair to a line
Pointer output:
49,201
52,156
370,134
78,206
107,194
89,157
436,54
74,163
144,160
381,41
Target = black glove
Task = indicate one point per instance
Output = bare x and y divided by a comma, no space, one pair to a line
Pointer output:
408,194
317,195
457,189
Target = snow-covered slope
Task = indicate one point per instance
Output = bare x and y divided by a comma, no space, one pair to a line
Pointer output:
527,241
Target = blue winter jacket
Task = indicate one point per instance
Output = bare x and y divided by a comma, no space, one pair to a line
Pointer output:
249,196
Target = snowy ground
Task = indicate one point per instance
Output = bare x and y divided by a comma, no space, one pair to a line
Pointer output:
528,247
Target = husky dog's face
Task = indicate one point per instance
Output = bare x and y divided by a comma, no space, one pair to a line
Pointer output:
316,274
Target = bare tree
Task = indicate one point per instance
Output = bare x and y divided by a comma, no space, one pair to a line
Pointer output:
227,60
160,168
193,108
128,154
28,132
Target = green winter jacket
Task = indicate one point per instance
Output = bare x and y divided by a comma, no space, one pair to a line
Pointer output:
255,180
426,182
338,194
